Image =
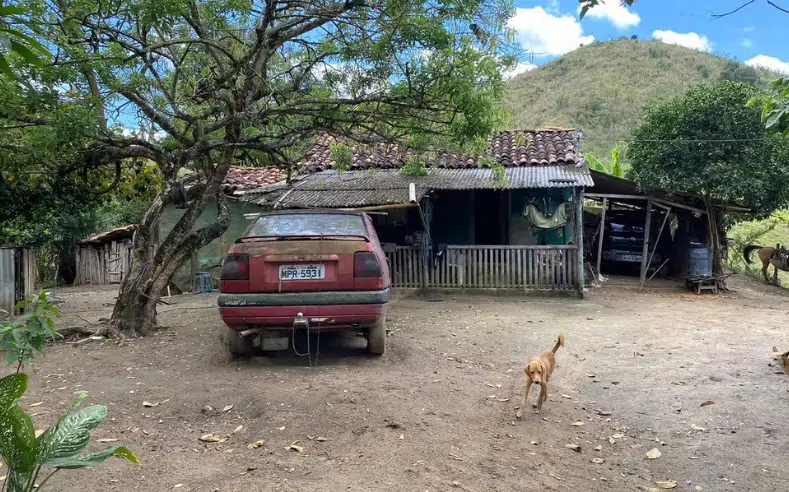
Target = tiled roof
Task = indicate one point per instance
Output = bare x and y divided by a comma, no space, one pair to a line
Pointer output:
551,146
387,186
241,179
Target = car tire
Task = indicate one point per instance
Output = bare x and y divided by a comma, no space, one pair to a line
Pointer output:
376,337
238,345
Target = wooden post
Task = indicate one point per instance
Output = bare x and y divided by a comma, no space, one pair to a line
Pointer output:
579,238
602,234
657,239
645,250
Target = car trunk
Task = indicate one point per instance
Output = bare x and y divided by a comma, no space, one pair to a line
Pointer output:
301,265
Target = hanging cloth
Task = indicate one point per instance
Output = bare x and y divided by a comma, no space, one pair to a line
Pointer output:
542,221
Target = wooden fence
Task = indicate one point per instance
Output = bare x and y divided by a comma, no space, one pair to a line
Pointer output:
487,267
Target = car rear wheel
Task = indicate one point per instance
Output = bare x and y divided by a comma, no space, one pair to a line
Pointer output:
239,345
376,337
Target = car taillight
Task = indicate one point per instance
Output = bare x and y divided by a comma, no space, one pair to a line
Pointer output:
236,267
365,265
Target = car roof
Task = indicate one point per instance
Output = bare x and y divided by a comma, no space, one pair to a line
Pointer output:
328,211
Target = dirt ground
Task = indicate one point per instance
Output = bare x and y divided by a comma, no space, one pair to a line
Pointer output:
437,411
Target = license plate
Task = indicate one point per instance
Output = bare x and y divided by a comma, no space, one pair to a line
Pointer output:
631,258
301,272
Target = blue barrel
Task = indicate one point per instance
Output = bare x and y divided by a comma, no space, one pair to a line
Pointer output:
700,260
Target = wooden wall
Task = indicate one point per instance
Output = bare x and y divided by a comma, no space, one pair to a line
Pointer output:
99,264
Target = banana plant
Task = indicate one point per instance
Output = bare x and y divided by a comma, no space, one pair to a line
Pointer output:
615,169
58,448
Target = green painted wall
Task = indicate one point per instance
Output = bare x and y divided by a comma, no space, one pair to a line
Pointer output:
210,257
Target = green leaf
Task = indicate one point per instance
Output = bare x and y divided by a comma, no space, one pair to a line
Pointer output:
11,10
5,68
96,458
11,389
773,119
25,53
70,435
17,440
32,42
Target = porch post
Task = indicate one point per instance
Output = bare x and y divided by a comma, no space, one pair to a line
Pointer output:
645,250
579,238
600,238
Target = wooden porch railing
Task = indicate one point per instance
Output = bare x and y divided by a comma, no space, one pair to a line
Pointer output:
488,267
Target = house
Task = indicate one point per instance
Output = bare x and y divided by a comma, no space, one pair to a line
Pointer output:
18,276
460,225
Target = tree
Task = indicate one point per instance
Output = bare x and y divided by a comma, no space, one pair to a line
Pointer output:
708,142
585,5
212,82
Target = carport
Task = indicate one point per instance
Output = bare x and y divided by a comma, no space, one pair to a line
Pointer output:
682,215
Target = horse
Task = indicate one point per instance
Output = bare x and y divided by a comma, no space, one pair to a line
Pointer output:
768,257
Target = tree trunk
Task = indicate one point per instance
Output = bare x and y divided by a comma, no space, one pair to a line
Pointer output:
714,237
150,272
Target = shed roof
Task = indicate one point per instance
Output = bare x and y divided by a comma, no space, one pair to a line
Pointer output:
389,186
125,232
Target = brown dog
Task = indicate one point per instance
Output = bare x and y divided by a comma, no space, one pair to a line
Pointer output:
538,371
783,357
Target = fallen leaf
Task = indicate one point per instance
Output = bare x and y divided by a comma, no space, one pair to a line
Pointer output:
554,476
678,383
567,396
321,439
237,429
668,484
256,444
212,438
604,413
577,424
36,404
534,443
707,402
491,385
598,448
3,477
293,447
589,375
149,404
105,440
611,440
574,447
227,408
282,428
698,487
178,486
654,454
618,436
647,489
502,399
597,461
39,432
698,428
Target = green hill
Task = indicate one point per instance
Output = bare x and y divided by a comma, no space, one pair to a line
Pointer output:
604,87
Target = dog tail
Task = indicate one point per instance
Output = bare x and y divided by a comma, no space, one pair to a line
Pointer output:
746,253
559,342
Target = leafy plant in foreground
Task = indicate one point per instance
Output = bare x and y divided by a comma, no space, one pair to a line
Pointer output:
22,338
58,448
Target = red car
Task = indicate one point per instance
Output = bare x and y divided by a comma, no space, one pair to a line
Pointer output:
327,265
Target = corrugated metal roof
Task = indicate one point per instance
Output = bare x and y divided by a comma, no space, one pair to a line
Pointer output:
389,186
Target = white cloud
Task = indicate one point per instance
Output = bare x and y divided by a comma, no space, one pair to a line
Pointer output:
520,68
748,28
616,13
545,34
770,63
688,39
746,43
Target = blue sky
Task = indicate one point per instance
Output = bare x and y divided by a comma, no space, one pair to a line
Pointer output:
755,35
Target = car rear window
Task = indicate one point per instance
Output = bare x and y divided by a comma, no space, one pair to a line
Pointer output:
309,225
